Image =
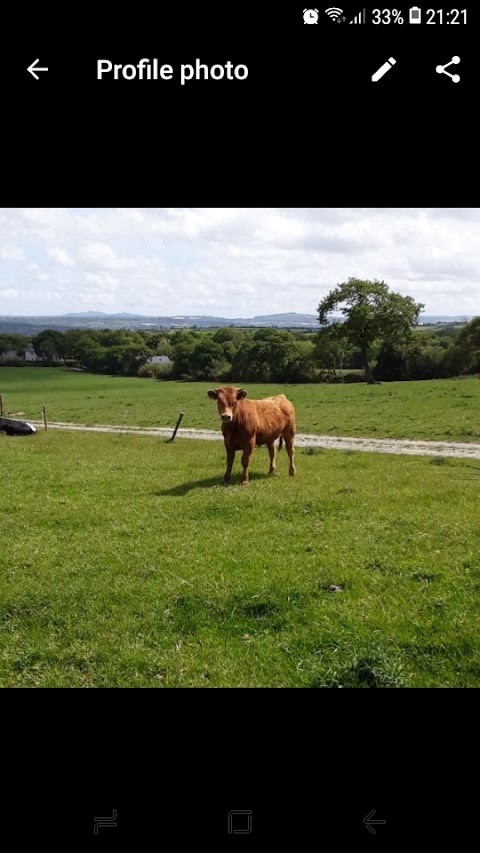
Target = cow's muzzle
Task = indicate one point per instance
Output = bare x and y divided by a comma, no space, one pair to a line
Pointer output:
226,418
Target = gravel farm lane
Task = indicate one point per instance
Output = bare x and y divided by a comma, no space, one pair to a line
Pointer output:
403,447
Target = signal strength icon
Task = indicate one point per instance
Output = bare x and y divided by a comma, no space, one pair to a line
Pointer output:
360,18
333,12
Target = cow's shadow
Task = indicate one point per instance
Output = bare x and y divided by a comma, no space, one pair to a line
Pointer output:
209,483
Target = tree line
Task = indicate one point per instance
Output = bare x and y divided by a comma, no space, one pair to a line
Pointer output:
373,337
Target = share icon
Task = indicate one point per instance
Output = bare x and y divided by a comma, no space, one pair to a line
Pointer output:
440,69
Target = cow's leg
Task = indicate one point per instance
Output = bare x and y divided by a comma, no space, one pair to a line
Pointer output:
272,451
246,456
291,453
230,461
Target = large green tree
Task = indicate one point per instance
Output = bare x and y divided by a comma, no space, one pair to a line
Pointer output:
48,345
332,347
198,356
373,315
468,346
266,356
15,342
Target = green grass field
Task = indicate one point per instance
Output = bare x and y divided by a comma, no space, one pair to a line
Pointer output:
123,563
445,409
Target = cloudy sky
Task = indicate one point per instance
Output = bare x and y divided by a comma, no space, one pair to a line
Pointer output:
232,262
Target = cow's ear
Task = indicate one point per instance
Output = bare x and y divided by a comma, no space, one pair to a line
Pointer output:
241,393
212,394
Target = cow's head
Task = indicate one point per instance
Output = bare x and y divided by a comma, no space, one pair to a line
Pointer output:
227,401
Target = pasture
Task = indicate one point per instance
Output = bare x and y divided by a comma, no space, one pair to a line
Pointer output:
124,564
443,409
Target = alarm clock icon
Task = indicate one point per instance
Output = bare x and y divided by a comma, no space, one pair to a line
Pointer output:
310,16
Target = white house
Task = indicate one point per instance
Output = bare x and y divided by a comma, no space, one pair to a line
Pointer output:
31,355
9,355
159,359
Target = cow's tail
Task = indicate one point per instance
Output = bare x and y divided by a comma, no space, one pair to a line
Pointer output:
280,443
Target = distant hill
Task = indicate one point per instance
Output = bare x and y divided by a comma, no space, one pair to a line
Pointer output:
99,320
460,318
92,315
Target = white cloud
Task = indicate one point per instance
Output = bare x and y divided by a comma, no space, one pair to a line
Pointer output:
234,261
103,279
9,293
11,253
101,256
93,297
61,256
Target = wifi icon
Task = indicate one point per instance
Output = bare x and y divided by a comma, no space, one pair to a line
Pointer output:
333,12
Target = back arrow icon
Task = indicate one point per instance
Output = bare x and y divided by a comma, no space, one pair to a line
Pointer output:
368,821
32,69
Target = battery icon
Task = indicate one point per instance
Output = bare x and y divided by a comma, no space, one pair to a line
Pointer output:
415,15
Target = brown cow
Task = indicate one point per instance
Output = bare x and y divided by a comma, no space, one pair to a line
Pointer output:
246,423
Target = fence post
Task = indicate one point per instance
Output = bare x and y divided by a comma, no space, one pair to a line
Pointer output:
44,410
176,427
1,404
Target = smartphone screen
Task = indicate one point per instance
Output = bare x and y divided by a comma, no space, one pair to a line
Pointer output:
184,185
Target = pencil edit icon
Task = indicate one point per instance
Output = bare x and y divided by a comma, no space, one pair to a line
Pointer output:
383,69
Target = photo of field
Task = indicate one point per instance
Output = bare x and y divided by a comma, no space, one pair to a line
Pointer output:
439,410
127,563
240,448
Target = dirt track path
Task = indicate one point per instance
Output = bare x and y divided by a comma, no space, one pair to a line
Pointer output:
402,447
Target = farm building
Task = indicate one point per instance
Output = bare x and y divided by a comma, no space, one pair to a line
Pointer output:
159,359
31,355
